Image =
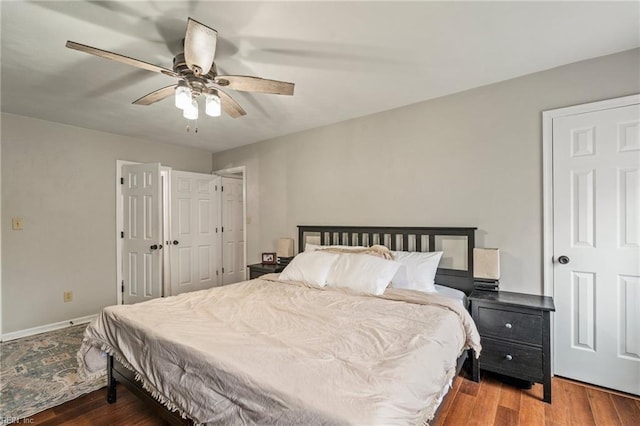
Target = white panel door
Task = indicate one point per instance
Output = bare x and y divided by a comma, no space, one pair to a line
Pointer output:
233,262
142,239
596,184
194,231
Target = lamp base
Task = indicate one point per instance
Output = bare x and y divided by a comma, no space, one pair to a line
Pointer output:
486,285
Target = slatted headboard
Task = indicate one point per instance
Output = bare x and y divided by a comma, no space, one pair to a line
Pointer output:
460,273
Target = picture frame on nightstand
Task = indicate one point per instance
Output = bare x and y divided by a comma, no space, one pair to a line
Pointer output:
269,258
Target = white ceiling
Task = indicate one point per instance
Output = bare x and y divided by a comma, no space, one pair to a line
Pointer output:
348,59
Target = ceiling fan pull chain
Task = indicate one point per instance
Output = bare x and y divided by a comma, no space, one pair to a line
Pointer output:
195,130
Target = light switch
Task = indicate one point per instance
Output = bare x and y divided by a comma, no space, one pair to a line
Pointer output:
17,224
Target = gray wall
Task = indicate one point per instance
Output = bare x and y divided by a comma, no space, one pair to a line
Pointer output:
469,159
61,181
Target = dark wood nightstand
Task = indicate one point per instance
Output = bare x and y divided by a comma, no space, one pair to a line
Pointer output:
515,331
258,269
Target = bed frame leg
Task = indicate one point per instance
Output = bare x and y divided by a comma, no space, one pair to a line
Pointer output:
111,381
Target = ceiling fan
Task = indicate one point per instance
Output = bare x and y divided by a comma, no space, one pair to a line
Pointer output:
197,74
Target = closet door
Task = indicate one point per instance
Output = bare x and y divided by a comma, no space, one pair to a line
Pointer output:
194,225
234,265
142,236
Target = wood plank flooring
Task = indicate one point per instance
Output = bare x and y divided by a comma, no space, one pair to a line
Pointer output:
93,410
490,402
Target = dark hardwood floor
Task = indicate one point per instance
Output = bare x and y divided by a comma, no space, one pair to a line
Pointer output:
489,403
93,410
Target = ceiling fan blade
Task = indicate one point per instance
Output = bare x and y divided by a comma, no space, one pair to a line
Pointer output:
255,84
156,96
229,106
119,58
199,47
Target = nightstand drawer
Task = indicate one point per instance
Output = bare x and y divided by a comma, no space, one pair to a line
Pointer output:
509,358
510,325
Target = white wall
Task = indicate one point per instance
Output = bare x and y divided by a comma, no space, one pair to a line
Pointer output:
1,227
61,180
469,159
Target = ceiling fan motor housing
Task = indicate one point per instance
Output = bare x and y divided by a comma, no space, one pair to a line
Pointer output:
193,77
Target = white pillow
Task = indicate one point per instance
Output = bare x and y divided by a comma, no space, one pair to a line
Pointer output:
417,270
310,267
362,272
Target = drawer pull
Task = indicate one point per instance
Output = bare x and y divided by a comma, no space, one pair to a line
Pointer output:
508,325
508,357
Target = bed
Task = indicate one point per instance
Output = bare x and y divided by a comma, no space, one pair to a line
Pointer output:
270,351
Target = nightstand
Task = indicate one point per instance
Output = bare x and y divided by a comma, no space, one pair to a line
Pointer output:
515,332
258,269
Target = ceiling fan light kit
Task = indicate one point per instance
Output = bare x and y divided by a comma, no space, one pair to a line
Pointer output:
212,106
183,95
191,111
197,75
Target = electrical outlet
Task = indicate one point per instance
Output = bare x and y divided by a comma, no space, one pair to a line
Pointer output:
68,296
17,224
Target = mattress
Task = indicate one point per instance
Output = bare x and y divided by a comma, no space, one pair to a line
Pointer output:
453,294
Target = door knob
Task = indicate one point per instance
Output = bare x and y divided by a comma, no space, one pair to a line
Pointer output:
175,242
154,247
564,260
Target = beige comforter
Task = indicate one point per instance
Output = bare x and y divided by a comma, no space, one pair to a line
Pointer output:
267,352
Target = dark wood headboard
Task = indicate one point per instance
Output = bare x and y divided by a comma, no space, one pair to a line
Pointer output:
419,239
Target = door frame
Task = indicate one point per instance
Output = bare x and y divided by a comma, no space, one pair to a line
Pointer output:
234,172
547,174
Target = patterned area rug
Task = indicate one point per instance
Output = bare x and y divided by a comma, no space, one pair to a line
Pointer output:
40,372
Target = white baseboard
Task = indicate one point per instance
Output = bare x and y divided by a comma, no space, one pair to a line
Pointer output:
47,327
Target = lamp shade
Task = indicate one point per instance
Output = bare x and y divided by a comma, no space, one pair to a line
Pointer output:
285,247
486,263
